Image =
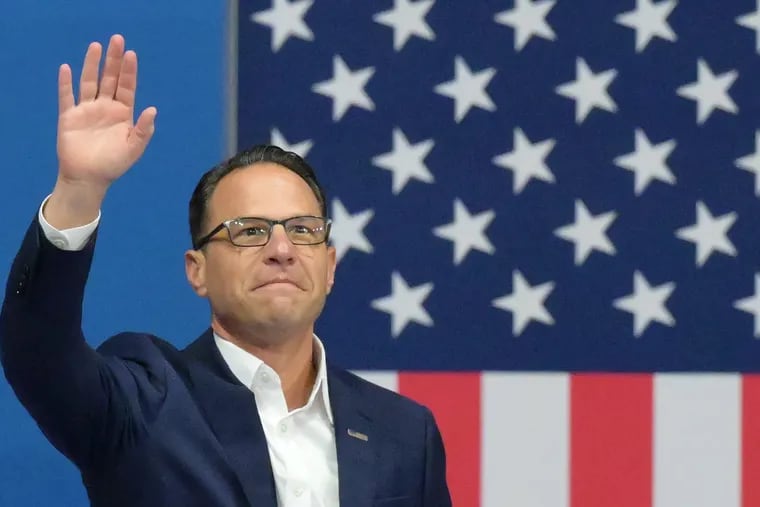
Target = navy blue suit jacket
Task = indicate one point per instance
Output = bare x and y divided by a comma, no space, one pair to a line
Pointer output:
149,425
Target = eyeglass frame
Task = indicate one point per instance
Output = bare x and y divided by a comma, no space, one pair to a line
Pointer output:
203,241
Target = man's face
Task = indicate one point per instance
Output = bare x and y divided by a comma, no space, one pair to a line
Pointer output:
265,290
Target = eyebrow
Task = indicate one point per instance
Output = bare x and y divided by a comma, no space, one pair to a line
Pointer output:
273,217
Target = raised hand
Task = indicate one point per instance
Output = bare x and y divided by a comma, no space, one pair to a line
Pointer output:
98,139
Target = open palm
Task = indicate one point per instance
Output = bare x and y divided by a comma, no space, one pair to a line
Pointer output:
98,140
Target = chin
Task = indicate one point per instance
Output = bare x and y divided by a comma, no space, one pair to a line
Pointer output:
282,316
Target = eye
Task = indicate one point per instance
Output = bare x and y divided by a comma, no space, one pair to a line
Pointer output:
253,231
301,229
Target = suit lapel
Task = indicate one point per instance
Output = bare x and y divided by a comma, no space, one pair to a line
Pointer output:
354,440
230,409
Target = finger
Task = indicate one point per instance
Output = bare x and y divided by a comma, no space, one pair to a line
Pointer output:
127,86
143,130
112,67
65,89
88,81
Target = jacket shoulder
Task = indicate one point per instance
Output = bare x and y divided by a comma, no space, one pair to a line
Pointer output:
132,344
383,400
143,353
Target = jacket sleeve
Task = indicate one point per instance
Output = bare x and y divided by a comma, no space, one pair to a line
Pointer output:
87,405
435,490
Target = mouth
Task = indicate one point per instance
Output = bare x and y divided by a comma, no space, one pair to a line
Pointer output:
278,283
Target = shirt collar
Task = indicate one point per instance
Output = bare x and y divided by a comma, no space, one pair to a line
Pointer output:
245,365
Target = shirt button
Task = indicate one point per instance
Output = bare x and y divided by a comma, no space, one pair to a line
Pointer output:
298,491
60,243
283,428
264,377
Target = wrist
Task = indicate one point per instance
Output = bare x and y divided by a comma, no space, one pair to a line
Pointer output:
73,204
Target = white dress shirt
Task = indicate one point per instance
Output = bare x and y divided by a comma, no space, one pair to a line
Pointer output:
301,442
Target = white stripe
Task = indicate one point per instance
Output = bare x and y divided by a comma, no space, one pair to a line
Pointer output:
525,420
386,379
697,440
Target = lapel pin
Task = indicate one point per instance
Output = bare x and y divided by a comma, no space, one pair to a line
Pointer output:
356,434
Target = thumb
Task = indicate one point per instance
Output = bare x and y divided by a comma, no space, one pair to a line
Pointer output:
143,130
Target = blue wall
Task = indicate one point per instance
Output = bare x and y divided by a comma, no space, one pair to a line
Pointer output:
181,48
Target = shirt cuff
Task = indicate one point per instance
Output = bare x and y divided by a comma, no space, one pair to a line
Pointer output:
67,239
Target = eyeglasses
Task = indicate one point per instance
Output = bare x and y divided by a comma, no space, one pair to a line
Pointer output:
256,231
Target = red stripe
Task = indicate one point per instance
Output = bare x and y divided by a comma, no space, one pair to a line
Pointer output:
750,440
611,440
454,399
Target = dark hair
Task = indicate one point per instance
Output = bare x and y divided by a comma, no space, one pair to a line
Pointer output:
259,153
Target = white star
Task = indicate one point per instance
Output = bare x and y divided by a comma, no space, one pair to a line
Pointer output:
346,88
588,232
285,19
467,231
301,148
647,304
650,20
752,305
467,89
526,160
710,91
589,90
526,303
407,18
647,162
405,304
751,163
528,19
406,161
709,233
751,20
347,230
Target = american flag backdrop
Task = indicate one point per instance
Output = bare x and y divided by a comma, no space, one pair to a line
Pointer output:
546,216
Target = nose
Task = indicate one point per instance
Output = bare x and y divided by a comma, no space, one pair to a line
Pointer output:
279,249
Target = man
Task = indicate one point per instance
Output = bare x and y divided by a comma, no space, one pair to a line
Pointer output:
251,413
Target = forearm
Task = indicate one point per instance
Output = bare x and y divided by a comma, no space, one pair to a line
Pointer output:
53,371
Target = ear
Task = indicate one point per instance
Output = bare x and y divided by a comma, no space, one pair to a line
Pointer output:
195,270
331,265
